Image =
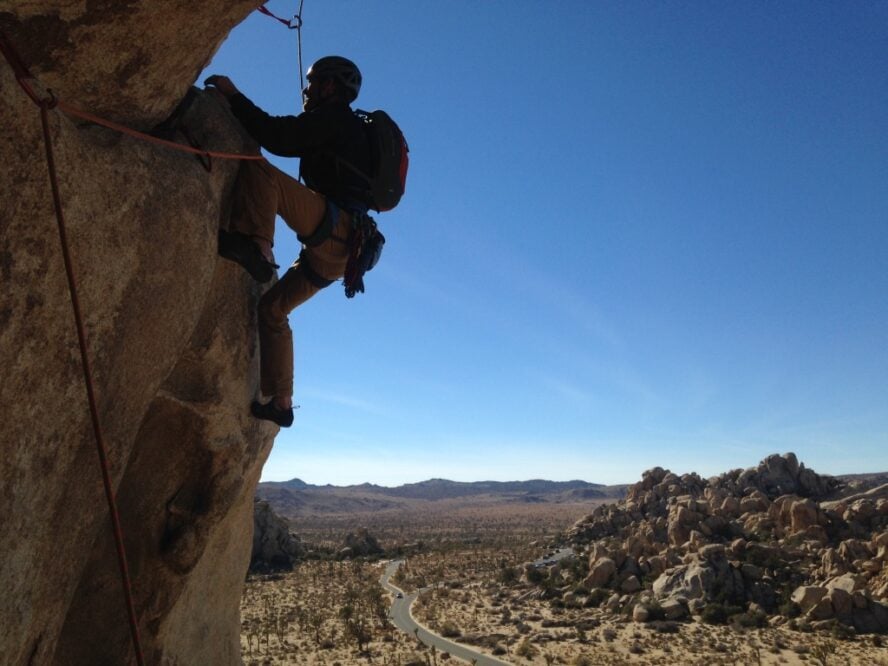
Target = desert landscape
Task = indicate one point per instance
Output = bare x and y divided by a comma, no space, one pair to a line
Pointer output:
770,565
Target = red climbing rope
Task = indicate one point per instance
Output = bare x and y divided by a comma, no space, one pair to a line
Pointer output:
90,390
294,23
22,75
123,129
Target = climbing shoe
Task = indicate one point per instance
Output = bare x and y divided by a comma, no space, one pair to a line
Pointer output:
283,417
241,248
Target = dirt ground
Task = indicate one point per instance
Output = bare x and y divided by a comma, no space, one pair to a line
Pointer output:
317,614
298,618
530,631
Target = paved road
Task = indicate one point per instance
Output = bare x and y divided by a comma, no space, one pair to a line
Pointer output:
557,556
403,620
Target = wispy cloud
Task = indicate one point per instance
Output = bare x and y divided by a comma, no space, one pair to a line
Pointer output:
345,400
571,392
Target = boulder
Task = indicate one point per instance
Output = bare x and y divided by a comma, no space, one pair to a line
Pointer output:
674,609
822,610
841,601
678,533
630,585
803,514
808,596
731,507
756,502
689,580
848,582
640,613
713,552
601,573
871,619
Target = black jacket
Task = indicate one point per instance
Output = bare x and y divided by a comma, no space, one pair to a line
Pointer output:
321,138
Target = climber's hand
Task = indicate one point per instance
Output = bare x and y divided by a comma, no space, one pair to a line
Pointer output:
223,84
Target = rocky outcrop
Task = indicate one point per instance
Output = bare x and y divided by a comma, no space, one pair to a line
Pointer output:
171,338
746,540
275,547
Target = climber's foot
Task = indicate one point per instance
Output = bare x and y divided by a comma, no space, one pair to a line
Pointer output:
241,248
270,412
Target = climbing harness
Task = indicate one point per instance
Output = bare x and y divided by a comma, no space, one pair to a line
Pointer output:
325,228
304,266
294,23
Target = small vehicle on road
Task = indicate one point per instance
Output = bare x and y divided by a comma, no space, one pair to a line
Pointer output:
399,595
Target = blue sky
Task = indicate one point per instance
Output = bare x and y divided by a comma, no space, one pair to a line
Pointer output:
634,234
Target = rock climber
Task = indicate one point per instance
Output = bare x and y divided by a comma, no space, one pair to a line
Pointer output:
320,212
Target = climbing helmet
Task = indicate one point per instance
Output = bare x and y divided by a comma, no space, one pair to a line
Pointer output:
340,69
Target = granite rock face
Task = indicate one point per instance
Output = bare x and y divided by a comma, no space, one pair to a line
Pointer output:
171,335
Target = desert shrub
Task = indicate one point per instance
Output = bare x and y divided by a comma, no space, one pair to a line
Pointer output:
799,624
749,620
581,660
535,576
842,632
655,611
509,575
450,630
714,614
789,609
663,626
597,597
525,649
822,652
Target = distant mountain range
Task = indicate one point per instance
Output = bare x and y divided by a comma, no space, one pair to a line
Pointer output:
297,497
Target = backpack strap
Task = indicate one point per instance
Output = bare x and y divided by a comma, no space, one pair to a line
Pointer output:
311,274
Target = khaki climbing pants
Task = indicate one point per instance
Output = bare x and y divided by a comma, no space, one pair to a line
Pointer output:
262,192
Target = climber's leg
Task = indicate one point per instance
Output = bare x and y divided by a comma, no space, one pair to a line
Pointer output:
316,268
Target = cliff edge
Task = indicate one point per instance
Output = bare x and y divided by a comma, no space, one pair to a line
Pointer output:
171,335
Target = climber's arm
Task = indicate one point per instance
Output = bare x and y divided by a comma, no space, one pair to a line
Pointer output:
287,136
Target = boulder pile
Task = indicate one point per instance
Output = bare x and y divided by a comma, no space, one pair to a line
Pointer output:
776,543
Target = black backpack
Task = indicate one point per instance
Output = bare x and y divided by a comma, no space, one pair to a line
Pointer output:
388,160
